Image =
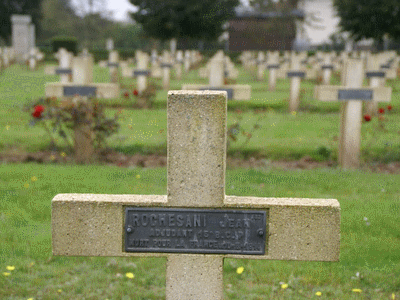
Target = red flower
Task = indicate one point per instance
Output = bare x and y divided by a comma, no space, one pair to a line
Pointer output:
381,110
367,118
39,109
126,95
135,92
389,107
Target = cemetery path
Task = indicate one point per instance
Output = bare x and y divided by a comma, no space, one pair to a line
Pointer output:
155,161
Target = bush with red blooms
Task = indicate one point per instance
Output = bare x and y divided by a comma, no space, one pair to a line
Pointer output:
59,118
143,100
367,118
381,110
389,107
38,110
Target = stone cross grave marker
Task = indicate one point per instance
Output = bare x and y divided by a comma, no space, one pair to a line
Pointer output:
178,64
142,71
166,65
327,68
376,77
216,82
273,66
295,75
187,62
113,65
82,82
352,94
196,225
65,61
32,60
260,65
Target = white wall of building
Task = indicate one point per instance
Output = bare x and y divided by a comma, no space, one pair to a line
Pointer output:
327,21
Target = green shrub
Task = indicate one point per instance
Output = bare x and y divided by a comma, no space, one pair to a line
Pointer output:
67,42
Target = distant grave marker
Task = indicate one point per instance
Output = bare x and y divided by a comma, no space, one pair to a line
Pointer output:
352,94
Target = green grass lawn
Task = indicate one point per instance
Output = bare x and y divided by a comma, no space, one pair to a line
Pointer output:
372,251
369,266
280,135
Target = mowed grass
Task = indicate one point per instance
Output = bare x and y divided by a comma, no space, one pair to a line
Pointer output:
370,236
280,135
369,253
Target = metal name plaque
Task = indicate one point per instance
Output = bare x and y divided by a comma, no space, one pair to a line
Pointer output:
141,73
63,71
89,91
296,74
324,67
229,92
166,65
273,66
113,65
375,74
202,231
355,95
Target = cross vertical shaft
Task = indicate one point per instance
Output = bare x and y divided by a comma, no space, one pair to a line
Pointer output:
196,178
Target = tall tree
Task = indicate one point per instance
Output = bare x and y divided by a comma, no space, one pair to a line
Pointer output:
369,18
20,7
58,18
166,19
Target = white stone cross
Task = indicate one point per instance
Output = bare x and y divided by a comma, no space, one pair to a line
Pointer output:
353,94
106,225
272,65
217,81
113,65
142,71
82,82
295,76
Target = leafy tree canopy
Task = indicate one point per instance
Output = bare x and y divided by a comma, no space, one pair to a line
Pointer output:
166,19
369,18
17,7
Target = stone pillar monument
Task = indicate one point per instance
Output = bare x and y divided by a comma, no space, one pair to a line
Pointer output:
22,32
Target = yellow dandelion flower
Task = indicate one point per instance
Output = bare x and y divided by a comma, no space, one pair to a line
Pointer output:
59,291
63,154
30,299
10,268
294,113
34,178
31,264
137,176
6,274
356,290
240,270
284,286
26,185
130,275
7,127
393,296
318,294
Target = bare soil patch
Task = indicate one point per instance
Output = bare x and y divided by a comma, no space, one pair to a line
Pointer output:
155,161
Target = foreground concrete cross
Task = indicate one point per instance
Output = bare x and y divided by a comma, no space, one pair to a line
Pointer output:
99,225
352,94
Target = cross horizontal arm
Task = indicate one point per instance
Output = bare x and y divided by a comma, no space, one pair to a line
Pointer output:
331,93
298,229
